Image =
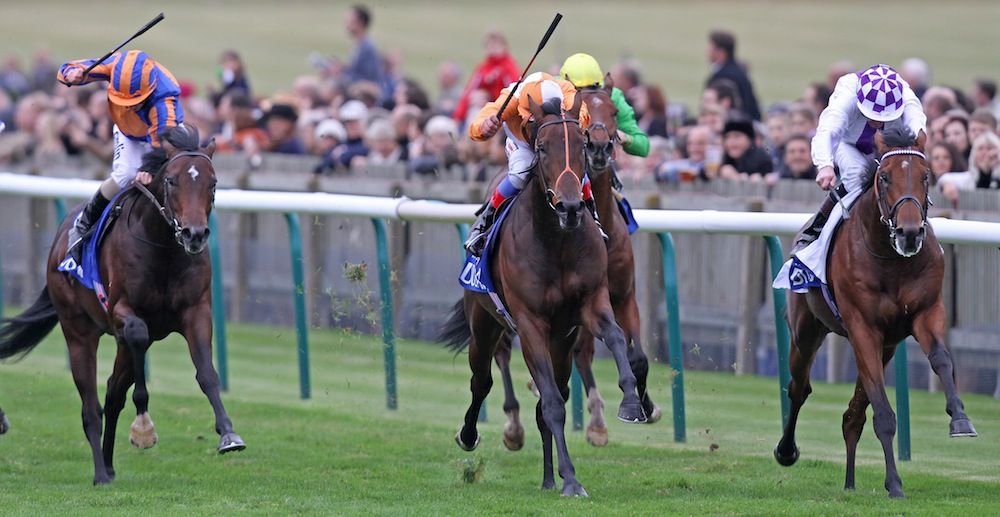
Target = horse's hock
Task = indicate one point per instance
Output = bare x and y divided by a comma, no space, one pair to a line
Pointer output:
726,317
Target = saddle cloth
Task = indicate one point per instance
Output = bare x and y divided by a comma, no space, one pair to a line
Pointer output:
89,272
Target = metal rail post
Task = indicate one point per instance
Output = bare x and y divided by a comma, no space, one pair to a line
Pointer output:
903,402
298,293
674,335
218,304
782,339
385,293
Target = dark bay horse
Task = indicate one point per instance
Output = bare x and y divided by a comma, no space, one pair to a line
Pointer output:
158,283
886,271
600,138
550,268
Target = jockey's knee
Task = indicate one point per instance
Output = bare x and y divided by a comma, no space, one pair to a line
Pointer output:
110,187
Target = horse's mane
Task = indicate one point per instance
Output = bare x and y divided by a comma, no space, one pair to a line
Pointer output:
552,106
892,138
182,137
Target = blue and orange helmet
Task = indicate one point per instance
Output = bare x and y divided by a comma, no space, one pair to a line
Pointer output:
132,79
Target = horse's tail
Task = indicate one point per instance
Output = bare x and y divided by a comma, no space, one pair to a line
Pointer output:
455,334
20,334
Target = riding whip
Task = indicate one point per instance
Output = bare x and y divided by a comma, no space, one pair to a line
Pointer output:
541,45
138,33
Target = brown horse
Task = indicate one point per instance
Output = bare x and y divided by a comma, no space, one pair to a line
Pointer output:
886,270
550,268
600,136
158,283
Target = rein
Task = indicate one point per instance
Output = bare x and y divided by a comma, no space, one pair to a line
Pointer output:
550,195
165,209
887,214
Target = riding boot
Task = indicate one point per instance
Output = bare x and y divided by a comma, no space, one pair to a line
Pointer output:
477,235
592,206
812,230
84,222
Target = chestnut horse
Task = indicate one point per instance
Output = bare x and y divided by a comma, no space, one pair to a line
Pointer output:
886,270
550,268
601,136
158,283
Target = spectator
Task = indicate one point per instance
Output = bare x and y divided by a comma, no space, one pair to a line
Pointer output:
43,74
492,74
937,101
802,119
694,163
956,133
439,151
329,134
365,63
916,72
404,121
12,78
380,139
354,115
981,121
777,135
651,110
817,97
712,117
944,159
626,75
449,88
280,123
723,93
722,56
742,159
200,114
408,91
984,92
983,173
392,75
231,75
241,132
797,160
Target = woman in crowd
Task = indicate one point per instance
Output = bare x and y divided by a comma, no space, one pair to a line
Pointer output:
983,173
944,159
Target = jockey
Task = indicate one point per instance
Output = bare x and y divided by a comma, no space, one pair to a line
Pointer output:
144,104
862,104
521,156
584,72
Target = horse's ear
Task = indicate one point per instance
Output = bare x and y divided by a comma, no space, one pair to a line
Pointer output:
209,148
921,140
535,109
577,103
880,143
609,83
168,147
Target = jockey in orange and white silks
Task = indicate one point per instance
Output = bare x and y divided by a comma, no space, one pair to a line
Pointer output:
521,158
862,104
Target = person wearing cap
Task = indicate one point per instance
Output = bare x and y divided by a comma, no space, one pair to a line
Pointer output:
280,122
743,159
539,87
354,115
143,98
862,104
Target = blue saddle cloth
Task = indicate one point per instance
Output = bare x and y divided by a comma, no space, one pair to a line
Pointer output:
475,274
626,209
89,272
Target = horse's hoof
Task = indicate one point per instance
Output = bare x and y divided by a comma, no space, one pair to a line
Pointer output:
548,484
231,442
4,424
962,427
896,492
631,413
513,437
786,461
597,436
102,480
462,445
573,490
653,415
142,434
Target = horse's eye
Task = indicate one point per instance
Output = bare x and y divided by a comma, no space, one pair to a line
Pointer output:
171,181
885,177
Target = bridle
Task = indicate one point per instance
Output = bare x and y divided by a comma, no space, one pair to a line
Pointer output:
887,214
550,195
165,209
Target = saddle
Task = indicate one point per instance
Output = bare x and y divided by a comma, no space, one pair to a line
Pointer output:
88,271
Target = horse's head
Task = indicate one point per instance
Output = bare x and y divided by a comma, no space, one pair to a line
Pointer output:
603,129
187,181
902,182
559,143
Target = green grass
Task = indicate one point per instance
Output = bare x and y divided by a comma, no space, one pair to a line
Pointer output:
788,44
343,453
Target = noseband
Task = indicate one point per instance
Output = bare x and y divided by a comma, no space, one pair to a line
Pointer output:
550,195
165,209
887,214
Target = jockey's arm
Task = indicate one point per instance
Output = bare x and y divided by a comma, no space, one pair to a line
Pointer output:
101,72
832,123
913,112
162,116
490,110
636,142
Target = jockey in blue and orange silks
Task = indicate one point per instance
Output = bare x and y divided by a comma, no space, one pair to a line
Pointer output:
521,158
144,104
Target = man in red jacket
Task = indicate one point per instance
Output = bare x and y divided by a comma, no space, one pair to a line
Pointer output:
494,74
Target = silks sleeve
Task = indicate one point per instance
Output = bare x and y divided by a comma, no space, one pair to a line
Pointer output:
101,72
639,143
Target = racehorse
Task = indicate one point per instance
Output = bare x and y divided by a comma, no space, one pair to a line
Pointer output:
158,282
600,138
885,270
550,269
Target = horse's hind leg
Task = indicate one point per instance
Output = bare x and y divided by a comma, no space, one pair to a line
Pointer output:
114,401
198,332
929,329
513,430
83,363
627,315
583,355
485,335
807,336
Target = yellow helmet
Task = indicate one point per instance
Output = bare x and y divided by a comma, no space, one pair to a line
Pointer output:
582,70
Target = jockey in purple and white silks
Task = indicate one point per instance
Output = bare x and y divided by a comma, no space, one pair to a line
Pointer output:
862,104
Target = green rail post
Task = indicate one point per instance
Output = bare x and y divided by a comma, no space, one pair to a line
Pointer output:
60,205
783,341
218,304
463,233
576,398
674,334
388,336
299,294
903,402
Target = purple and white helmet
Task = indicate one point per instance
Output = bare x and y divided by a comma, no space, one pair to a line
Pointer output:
880,93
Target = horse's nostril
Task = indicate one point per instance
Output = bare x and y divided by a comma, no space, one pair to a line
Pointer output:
560,207
186,233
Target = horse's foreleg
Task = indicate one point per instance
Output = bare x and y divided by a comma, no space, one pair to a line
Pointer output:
83,363
4,423
599,320
513,431
807,336
118,384
131,331
583,356
197,330
627,315
929,329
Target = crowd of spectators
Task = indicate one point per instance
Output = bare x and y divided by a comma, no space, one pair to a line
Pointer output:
364,110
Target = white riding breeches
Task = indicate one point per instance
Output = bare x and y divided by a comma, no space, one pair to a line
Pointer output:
520,159
128,158
852,164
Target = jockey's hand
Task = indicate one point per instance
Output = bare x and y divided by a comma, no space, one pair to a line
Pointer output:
144,177
826,178
74,76
624,138
489,127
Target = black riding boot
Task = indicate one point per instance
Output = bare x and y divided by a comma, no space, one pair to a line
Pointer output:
84,222
592,206
477,235
812,230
